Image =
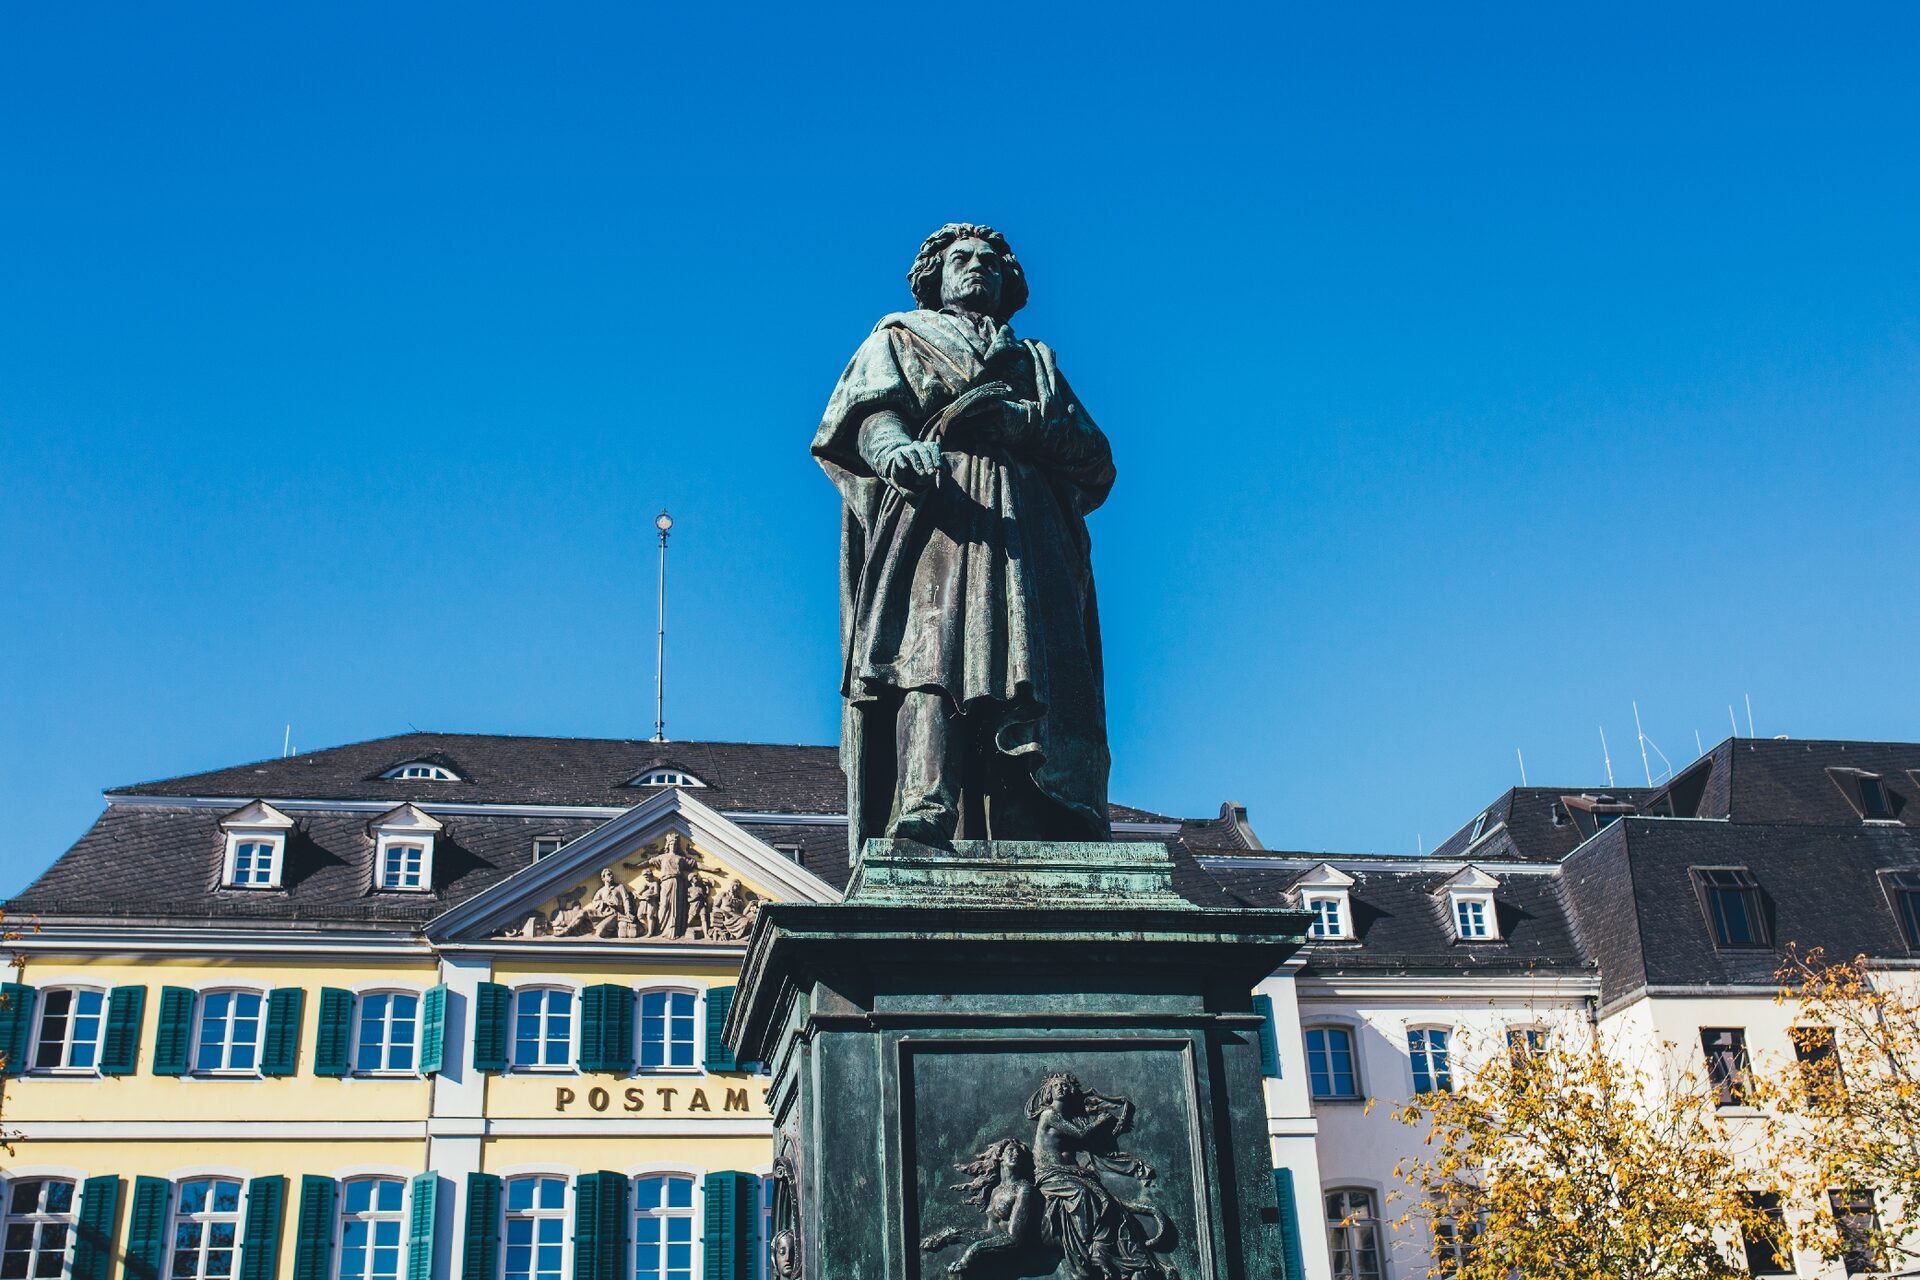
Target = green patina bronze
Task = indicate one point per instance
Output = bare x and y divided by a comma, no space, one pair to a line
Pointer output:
1015,1049
974,703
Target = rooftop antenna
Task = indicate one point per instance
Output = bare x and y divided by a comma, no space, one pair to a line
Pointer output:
1523,765
1604,756
1731,721
1698,750
1645,742
286,743
1420,839
663,522
1749,700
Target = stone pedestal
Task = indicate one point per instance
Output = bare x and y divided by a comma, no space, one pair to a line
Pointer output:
1052,1029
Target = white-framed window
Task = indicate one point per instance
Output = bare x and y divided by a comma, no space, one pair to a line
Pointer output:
372,1228
1527,1042
1479,828
1473,918
256,862
38,1229
67,1037
422,771
256,847
403,840
1429,1050
1331,1069
542,1029
1353,1234
386,1033
669,1030
205,1239
403,863
536,1227
227,1041
666,777
547,846
1330,915
665,1241
796,853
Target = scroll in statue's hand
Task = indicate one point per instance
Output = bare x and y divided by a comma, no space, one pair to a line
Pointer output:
912,466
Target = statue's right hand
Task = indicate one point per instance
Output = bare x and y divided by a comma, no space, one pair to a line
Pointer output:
913,466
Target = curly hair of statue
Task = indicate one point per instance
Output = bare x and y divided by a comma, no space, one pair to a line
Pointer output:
924,278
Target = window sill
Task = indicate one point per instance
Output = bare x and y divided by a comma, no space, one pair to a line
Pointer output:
62,1073
223,1075
671,1071
557,1069
384,1075
1342,1100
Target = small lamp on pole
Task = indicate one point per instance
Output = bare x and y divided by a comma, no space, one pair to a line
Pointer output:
664,523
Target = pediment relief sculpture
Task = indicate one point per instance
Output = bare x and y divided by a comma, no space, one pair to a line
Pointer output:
669,897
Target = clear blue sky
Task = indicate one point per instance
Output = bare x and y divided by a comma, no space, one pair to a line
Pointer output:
1471,371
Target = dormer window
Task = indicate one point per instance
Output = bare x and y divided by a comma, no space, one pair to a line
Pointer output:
422,771
1731,899
1593,814
546,846
256,847
1479,828
1326,892
666,776
1329,914
1866,792
403,841
1470,906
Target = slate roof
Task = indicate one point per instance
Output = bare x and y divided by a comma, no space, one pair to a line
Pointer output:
1521,826
1783,781
1401,927
1642,918
146,858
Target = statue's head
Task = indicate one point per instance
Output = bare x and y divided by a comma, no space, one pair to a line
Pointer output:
606,876
1061,1091
1014,1160
969,266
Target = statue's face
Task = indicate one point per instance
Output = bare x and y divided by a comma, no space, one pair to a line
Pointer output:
971,275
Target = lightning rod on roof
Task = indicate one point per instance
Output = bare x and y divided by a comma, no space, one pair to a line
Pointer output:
1523,765
1749,701
286,743
663,522
1734,724
1666,765
1605,756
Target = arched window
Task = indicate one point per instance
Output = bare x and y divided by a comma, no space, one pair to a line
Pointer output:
1430,1051
1353,1235
663,1234
39,1227
229,1039
542,1028
669,1031
536,1214
422,771
666,777
1330,1066
206,1230
386,1033
68,1038
371,1228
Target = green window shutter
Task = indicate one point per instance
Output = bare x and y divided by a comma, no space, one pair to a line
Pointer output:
260,1237
93,1238
1289,1224
481,1257
172,1049
729,1239
120,1052
600,1226
606,1028
16,1027
313,1237
719,1057
280,1056
423,1196
433,1030
333,1039
1269,1039
490,1004
147,1230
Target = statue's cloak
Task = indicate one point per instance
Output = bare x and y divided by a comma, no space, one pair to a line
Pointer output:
980,587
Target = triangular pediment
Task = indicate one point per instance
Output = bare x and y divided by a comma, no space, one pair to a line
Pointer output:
257,816
406,819
1323,876
1469,878
669,871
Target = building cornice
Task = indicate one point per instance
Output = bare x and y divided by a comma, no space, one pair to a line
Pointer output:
1579,986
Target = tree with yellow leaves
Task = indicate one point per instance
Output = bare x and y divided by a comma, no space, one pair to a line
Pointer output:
1856,1090
1562,1159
